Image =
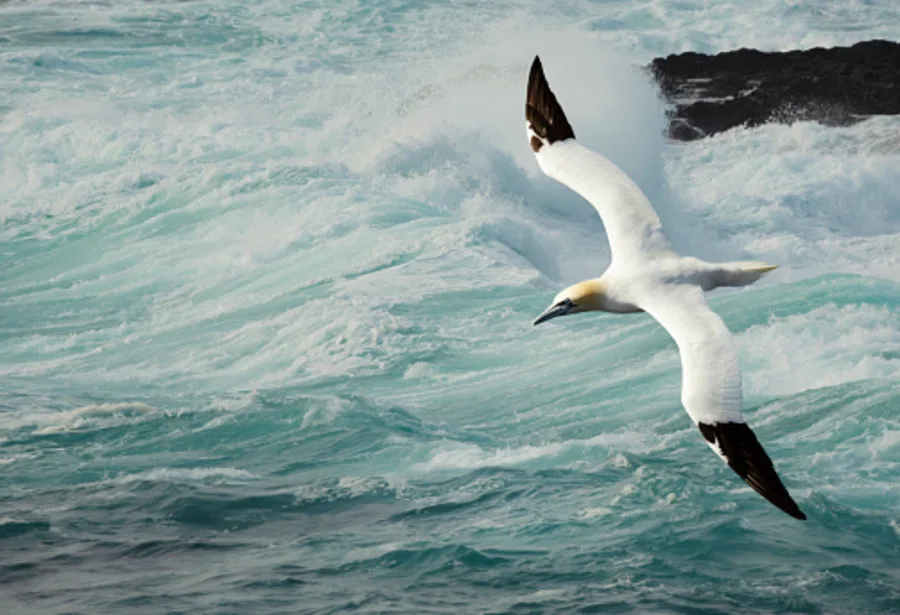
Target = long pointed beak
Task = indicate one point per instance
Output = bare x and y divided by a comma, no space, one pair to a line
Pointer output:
560,309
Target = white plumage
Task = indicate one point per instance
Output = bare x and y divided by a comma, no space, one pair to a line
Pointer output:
632,226
711,390
647,275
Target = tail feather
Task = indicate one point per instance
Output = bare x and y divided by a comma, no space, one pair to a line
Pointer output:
738,273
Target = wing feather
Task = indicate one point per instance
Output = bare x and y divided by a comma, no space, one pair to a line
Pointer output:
711,387
633,228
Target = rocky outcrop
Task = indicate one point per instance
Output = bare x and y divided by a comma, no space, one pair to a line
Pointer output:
837,86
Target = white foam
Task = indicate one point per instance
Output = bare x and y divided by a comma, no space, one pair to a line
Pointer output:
542,595
15,458
419,369
594,512
826,346
470,456
109,408
457,455
188,475
813,198
348,487
886,443
289,219
323,414
91,415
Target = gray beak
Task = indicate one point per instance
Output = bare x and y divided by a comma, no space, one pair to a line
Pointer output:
560,309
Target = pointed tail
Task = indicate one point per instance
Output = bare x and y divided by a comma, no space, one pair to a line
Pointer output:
737,273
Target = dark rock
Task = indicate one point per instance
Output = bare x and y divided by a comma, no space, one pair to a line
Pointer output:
837,87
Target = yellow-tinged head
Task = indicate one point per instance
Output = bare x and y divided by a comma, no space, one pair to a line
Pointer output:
582,297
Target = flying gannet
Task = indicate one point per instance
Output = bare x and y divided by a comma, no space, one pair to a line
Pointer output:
646,275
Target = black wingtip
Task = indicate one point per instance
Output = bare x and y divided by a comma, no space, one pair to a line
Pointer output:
746,456
537,70
545,117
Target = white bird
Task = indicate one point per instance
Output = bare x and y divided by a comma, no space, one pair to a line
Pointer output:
646,274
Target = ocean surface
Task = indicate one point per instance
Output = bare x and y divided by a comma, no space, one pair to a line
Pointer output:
267,277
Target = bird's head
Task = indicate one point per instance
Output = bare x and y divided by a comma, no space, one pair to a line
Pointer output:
582,297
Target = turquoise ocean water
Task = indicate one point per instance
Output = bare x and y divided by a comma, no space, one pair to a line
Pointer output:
268,276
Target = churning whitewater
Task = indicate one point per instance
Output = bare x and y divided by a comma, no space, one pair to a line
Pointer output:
269,273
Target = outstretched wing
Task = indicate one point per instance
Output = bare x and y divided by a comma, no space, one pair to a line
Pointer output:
633,228
711,387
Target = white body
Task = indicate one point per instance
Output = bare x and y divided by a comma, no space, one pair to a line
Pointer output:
647,275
